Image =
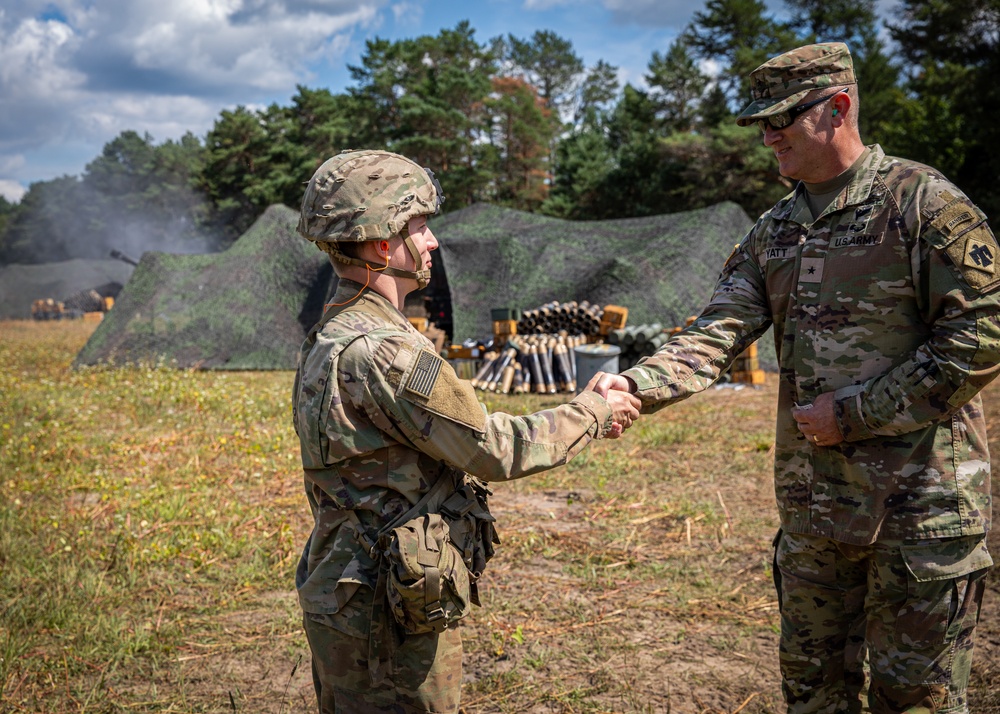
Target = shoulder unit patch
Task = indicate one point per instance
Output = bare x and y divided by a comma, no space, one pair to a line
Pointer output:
975,255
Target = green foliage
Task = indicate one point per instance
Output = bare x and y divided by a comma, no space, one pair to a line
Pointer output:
738,35
678,86
953,55
724,163
548,62
522,127
597,91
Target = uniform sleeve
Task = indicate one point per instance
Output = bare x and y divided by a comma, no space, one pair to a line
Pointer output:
957,280
695,358
412,392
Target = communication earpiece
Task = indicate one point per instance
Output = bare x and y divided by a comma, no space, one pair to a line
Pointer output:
834,112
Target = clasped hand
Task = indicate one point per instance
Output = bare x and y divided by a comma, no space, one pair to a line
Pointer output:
624,405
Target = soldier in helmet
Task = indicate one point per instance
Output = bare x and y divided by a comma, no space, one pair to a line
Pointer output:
393,448
880,280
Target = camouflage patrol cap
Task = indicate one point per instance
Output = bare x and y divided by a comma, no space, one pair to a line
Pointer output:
784,81
366,195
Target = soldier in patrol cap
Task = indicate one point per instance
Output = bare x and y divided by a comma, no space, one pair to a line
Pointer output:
392,442
880,280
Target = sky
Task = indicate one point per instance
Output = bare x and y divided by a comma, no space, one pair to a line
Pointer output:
74,74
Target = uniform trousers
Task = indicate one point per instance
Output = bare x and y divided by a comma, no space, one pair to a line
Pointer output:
425,676
884,628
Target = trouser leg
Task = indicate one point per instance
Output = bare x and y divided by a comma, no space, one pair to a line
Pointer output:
821,595
426,673
921,627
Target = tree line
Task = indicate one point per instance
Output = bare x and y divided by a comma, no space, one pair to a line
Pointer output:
522,122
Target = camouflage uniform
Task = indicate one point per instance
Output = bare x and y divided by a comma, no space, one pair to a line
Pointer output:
888,299
381,417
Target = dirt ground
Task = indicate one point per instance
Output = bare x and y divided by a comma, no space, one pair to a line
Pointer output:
627,648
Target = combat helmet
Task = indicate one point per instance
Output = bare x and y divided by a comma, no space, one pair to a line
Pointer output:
368,195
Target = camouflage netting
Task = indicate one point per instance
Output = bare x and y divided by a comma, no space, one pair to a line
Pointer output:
21,285
662,268
248,307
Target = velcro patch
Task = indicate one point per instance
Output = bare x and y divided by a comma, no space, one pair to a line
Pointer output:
811,270
976,254
779,252
952,217
856,241
424,375
979,253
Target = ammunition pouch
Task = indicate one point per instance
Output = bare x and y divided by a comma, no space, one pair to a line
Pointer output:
428,587
431,556
434,559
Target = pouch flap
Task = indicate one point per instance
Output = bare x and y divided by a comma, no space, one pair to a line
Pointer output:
949,558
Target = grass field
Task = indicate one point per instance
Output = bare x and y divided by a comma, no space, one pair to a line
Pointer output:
151,519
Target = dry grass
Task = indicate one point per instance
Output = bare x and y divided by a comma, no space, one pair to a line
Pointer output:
150,520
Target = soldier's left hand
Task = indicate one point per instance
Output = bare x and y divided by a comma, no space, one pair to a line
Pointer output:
818,422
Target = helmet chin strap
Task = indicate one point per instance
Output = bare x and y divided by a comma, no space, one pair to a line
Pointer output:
423,277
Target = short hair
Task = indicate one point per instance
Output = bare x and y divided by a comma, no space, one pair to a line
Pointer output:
852,116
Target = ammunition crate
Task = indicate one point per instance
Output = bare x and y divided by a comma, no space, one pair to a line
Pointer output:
614,317
500,314
504,328
754,376
462,352
464,368
747,361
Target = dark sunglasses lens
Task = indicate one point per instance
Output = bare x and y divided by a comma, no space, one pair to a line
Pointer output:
775,121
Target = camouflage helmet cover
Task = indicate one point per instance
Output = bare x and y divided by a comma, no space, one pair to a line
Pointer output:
366,195
784,81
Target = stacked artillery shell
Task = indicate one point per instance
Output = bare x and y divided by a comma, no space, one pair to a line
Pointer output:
573,318
637,341
485,372
542,364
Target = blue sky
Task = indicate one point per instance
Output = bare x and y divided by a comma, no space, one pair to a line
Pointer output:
76,73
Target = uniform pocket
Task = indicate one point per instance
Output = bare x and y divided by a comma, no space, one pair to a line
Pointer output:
939,589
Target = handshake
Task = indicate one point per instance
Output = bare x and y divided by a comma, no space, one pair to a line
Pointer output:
617,390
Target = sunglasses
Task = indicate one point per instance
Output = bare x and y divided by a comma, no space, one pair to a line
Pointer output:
785,119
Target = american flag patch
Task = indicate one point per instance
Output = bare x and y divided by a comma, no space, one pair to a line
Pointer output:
424,375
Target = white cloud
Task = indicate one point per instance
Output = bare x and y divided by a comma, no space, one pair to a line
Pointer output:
408,11
80,71
11,190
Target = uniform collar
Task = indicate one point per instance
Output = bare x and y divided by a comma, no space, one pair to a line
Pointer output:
796,205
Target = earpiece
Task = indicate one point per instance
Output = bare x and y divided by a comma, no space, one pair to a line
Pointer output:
834,112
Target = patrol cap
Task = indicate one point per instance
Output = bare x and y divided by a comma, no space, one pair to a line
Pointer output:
784,81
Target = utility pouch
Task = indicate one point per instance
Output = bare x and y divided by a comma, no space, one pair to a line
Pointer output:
471,526
431,556
428,585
